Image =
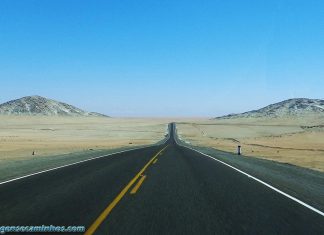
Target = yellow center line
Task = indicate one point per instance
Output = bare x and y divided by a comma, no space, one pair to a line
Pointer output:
139,183
111,206
155,160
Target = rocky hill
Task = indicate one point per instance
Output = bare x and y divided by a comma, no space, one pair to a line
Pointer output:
37,105
288,108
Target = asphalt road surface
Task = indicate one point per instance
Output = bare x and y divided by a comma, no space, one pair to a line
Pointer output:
165,189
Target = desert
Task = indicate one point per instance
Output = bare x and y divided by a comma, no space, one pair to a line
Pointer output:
22,135
297,141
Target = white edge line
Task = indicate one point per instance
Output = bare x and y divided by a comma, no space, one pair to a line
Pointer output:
262,182
75,163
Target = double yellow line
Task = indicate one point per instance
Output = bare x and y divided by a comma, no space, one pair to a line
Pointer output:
111,206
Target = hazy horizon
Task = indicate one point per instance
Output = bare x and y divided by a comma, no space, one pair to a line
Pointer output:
162,59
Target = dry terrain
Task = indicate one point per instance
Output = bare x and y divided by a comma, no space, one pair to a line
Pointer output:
21,135
298,141
295,141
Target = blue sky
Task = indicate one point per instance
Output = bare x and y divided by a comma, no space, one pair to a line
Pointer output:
162,58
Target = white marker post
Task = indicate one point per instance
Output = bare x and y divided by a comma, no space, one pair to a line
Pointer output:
239,150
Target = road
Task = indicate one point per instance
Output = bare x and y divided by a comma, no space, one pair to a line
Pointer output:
166,189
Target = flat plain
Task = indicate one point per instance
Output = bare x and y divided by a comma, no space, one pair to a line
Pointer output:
22,135
297,141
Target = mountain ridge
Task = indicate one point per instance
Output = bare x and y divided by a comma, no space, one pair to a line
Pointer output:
287,108
40,106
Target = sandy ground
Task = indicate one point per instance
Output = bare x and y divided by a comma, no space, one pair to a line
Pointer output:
299,141
295,141
20,136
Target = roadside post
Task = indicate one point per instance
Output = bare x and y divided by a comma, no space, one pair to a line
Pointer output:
239,150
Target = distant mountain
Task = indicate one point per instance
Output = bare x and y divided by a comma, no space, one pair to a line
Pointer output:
287,108
37,105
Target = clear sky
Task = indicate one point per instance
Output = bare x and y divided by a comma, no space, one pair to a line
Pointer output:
162,58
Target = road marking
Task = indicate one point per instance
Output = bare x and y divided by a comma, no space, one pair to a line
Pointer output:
261,182
139,183
155,161
75,163
111,206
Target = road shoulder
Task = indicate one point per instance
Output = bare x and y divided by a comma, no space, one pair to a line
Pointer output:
305,184
10,170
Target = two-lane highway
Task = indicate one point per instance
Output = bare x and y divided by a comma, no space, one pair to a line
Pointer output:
166,189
